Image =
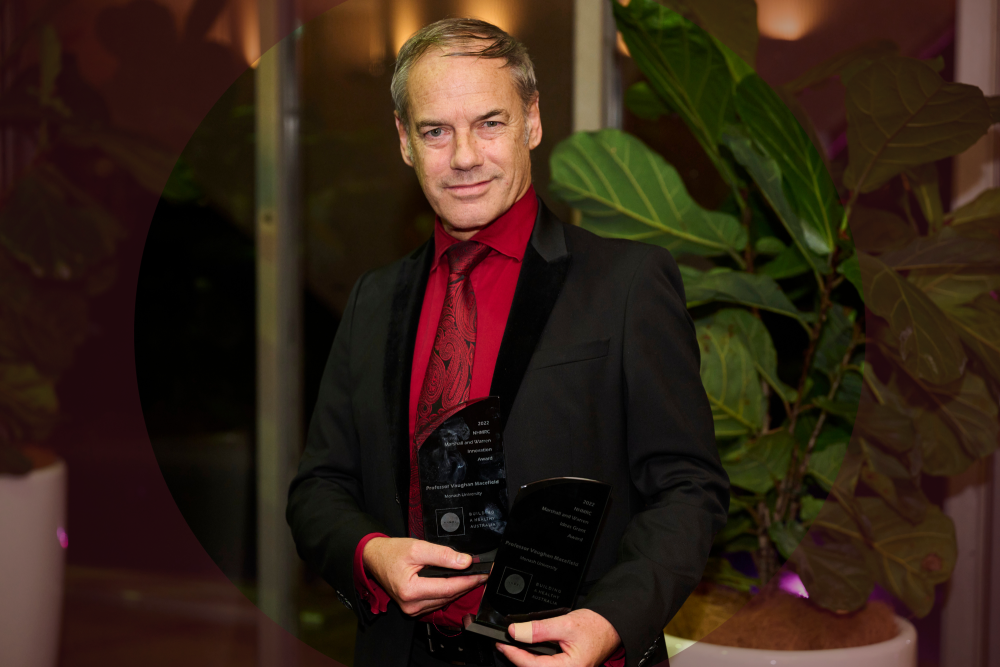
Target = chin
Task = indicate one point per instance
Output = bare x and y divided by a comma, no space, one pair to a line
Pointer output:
467,218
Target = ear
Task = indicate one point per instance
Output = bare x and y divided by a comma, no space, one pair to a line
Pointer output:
534,119
404,140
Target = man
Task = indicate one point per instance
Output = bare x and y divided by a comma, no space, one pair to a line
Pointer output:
587,343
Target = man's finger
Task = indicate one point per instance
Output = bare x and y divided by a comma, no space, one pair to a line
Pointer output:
522,632
551,629
448,587
425,553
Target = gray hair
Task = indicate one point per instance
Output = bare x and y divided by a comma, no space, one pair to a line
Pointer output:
484,40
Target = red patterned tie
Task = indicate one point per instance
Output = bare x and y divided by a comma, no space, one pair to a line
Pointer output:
449,371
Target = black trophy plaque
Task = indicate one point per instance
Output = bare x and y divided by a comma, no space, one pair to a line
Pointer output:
463,485
540,563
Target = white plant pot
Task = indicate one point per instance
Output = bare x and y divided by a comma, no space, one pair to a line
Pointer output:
32,558
900,651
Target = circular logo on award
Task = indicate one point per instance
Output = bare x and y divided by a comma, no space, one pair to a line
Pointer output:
450,522
514,584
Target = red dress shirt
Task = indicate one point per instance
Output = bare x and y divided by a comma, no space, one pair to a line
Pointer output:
493,281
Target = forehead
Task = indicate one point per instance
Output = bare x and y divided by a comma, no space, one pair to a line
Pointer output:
440,85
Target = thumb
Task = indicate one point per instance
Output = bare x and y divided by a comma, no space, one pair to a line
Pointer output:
441,556
530,632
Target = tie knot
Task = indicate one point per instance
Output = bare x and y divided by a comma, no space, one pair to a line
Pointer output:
464,256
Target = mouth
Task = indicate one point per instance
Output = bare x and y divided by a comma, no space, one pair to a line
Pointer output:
470,190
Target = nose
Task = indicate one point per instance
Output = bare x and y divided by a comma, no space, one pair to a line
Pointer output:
466,155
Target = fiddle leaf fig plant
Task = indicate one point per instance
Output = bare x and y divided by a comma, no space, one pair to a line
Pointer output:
848,347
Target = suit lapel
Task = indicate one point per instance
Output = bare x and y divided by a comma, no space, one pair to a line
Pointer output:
407,301
543,272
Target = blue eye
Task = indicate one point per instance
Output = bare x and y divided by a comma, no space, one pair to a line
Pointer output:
492,123
435,133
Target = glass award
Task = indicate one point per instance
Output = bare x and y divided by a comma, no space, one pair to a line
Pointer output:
463,485
541,561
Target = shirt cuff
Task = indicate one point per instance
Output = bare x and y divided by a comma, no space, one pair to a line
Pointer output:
368,589
617,658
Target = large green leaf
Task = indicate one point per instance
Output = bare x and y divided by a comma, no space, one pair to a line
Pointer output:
948,290
850,269
626,190
978,324
738,67
721,571
837,64
832,567
834,341
983,207
969,303
789,263
844,409
972,414
828,455
53,226
900,114
758,341
926,342
884,424
923,182
786,536
747,289
955,423
941,451
911,559
905,559
769,245
948,251
28,403
731,382
732,22
851,383
644,103
683,66
767,175
759,464
807,182
892,480
875,230
810,508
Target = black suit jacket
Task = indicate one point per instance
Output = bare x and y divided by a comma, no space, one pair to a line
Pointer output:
598,377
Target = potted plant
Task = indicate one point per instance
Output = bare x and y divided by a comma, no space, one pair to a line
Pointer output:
890,360
57,245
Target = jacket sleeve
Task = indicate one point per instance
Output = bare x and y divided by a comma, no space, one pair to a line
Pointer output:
325,500
673,463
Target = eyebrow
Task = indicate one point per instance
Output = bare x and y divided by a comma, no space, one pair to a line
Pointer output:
489,114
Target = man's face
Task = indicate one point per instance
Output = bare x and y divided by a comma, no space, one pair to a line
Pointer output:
467,135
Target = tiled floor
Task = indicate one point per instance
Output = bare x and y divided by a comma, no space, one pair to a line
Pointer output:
116,618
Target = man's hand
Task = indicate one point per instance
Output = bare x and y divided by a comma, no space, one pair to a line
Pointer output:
586,638
395,562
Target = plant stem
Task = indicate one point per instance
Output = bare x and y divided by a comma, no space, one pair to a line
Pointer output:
765,559
814,335
799,471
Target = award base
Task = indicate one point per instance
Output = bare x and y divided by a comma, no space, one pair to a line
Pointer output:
497,633
481,564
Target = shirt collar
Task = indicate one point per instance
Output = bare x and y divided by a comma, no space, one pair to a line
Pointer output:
508,234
